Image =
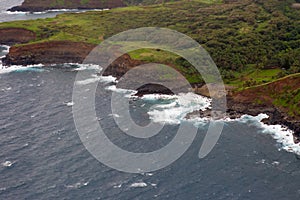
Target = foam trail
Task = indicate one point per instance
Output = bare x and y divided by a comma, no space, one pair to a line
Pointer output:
139,185
128,93
19,68
78,67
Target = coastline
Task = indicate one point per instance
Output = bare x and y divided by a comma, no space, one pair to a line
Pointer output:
60,52
40,6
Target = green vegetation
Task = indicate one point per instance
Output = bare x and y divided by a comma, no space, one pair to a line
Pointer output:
253,42
290,101
83,2
285,93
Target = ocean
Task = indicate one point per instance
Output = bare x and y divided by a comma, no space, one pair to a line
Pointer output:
43,157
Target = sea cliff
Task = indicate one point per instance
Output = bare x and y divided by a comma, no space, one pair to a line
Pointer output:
42,5
238,35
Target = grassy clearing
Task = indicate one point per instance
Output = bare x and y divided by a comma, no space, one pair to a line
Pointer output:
252,76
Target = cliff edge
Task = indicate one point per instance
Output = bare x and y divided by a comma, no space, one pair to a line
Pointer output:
42,5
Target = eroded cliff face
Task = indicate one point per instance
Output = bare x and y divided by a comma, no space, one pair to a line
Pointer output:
48,53
59,52
10,36
42,5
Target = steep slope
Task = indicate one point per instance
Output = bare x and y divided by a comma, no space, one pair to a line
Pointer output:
283,93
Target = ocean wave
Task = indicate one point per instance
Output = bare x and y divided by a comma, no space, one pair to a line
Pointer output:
96,78
69,104
15,12
77,185
5,50
8,163
172,109
39,68
77,66
139,185
128,93
282,135
20,68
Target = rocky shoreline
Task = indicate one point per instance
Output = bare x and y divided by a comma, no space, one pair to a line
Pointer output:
237,109
243,103
55,52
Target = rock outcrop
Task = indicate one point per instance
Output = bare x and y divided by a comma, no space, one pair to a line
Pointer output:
10,36
48,53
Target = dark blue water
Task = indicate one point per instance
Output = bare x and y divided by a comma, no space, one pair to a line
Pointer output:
38,136
42,157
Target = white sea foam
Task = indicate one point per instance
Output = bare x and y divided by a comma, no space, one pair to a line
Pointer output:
15,12
178,106
38,68
174,108
81,67
138,185
20,68
70,104
6,50
114,115
7,163
128,93
117,186
281,134
155,97
77,185
95,78
88,81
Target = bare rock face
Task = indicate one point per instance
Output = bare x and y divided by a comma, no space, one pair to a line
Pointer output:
120,66
48,53
10,36
153,89
59,52
42,5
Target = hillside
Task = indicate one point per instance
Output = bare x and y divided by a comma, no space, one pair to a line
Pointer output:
284,93
251,41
